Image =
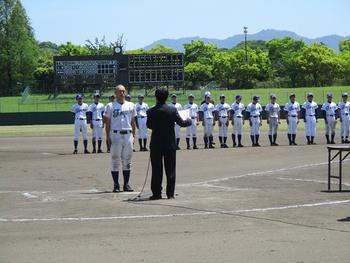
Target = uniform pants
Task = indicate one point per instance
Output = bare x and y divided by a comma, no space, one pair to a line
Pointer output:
237,126
141,122
192,130
345,125
330,126
121,151
273,125
208,127
97,130
255,128
177,131
310,126
80,125
223,127
292,125
158,158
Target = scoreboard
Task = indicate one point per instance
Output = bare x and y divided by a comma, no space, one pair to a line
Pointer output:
110,70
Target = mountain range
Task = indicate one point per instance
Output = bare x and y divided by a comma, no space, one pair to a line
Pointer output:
331,41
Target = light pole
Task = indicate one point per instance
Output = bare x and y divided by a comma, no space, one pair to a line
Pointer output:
245,43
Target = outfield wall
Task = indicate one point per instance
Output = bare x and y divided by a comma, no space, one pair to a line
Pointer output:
59,117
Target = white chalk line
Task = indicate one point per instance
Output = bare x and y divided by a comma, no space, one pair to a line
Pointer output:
204,213
310,180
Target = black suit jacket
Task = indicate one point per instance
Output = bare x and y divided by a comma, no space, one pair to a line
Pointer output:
161,120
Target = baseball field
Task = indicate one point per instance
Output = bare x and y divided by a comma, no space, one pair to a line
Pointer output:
266,204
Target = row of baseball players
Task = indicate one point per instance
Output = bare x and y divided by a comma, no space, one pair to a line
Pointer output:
223,113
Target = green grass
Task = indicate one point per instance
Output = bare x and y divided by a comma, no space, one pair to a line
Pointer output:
63,102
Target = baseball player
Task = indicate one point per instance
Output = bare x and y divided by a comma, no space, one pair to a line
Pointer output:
177,127
273,119
237,109
96,111
208,110
120,130
191,131
141,120
344,108
253,111
110,99
329,110
128,97
309,111
80,124
222,109
292,110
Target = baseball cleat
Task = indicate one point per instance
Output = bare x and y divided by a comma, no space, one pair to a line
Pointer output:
75,151
116,188
93,151
99,151
86,152
127,188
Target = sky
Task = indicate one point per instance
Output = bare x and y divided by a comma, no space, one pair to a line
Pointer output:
145,21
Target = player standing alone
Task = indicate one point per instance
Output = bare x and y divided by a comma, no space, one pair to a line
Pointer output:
80,124
120,130
96,111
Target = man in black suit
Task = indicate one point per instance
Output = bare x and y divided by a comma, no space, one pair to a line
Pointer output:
161,120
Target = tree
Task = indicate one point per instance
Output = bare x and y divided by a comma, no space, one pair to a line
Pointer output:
253,44
345,65
344,45
321,63
69,49
198,51
18,48
44,73
197,72
48,46
223,66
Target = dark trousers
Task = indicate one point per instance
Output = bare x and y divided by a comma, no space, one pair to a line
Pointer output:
169,159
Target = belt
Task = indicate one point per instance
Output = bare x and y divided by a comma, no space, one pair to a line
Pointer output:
255,116
293,116
193,118
98,120
81,119
122,131
209,118
346,114
330,115
311,115
224,117
141,117
238,117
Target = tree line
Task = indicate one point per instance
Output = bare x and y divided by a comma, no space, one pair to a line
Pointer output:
282,62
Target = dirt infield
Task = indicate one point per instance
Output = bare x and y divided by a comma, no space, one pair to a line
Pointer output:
265,204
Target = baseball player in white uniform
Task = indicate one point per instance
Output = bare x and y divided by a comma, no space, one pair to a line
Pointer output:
292,109
253,111
141,120
95,113
309,110
191,131
80,123
329,110
237,109
110,99
344,114
120,130
222,109
208,109
177,127
273,119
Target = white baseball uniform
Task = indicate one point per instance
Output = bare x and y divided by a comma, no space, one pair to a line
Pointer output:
330,109
292,110
310,117
345,118
121,116
223,109
80,123
208,118
97,111
192,130
272,110
237,117
255,111
141,111
177,127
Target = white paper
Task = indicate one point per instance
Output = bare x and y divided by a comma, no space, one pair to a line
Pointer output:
184,114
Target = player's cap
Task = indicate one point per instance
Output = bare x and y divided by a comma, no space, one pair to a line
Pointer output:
141,96
79,96
173,96
111,97
222,96
238,97
256,97
344,94
330,95
190,96
96,94
291,95
273,96
128,96
310,94
207,94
